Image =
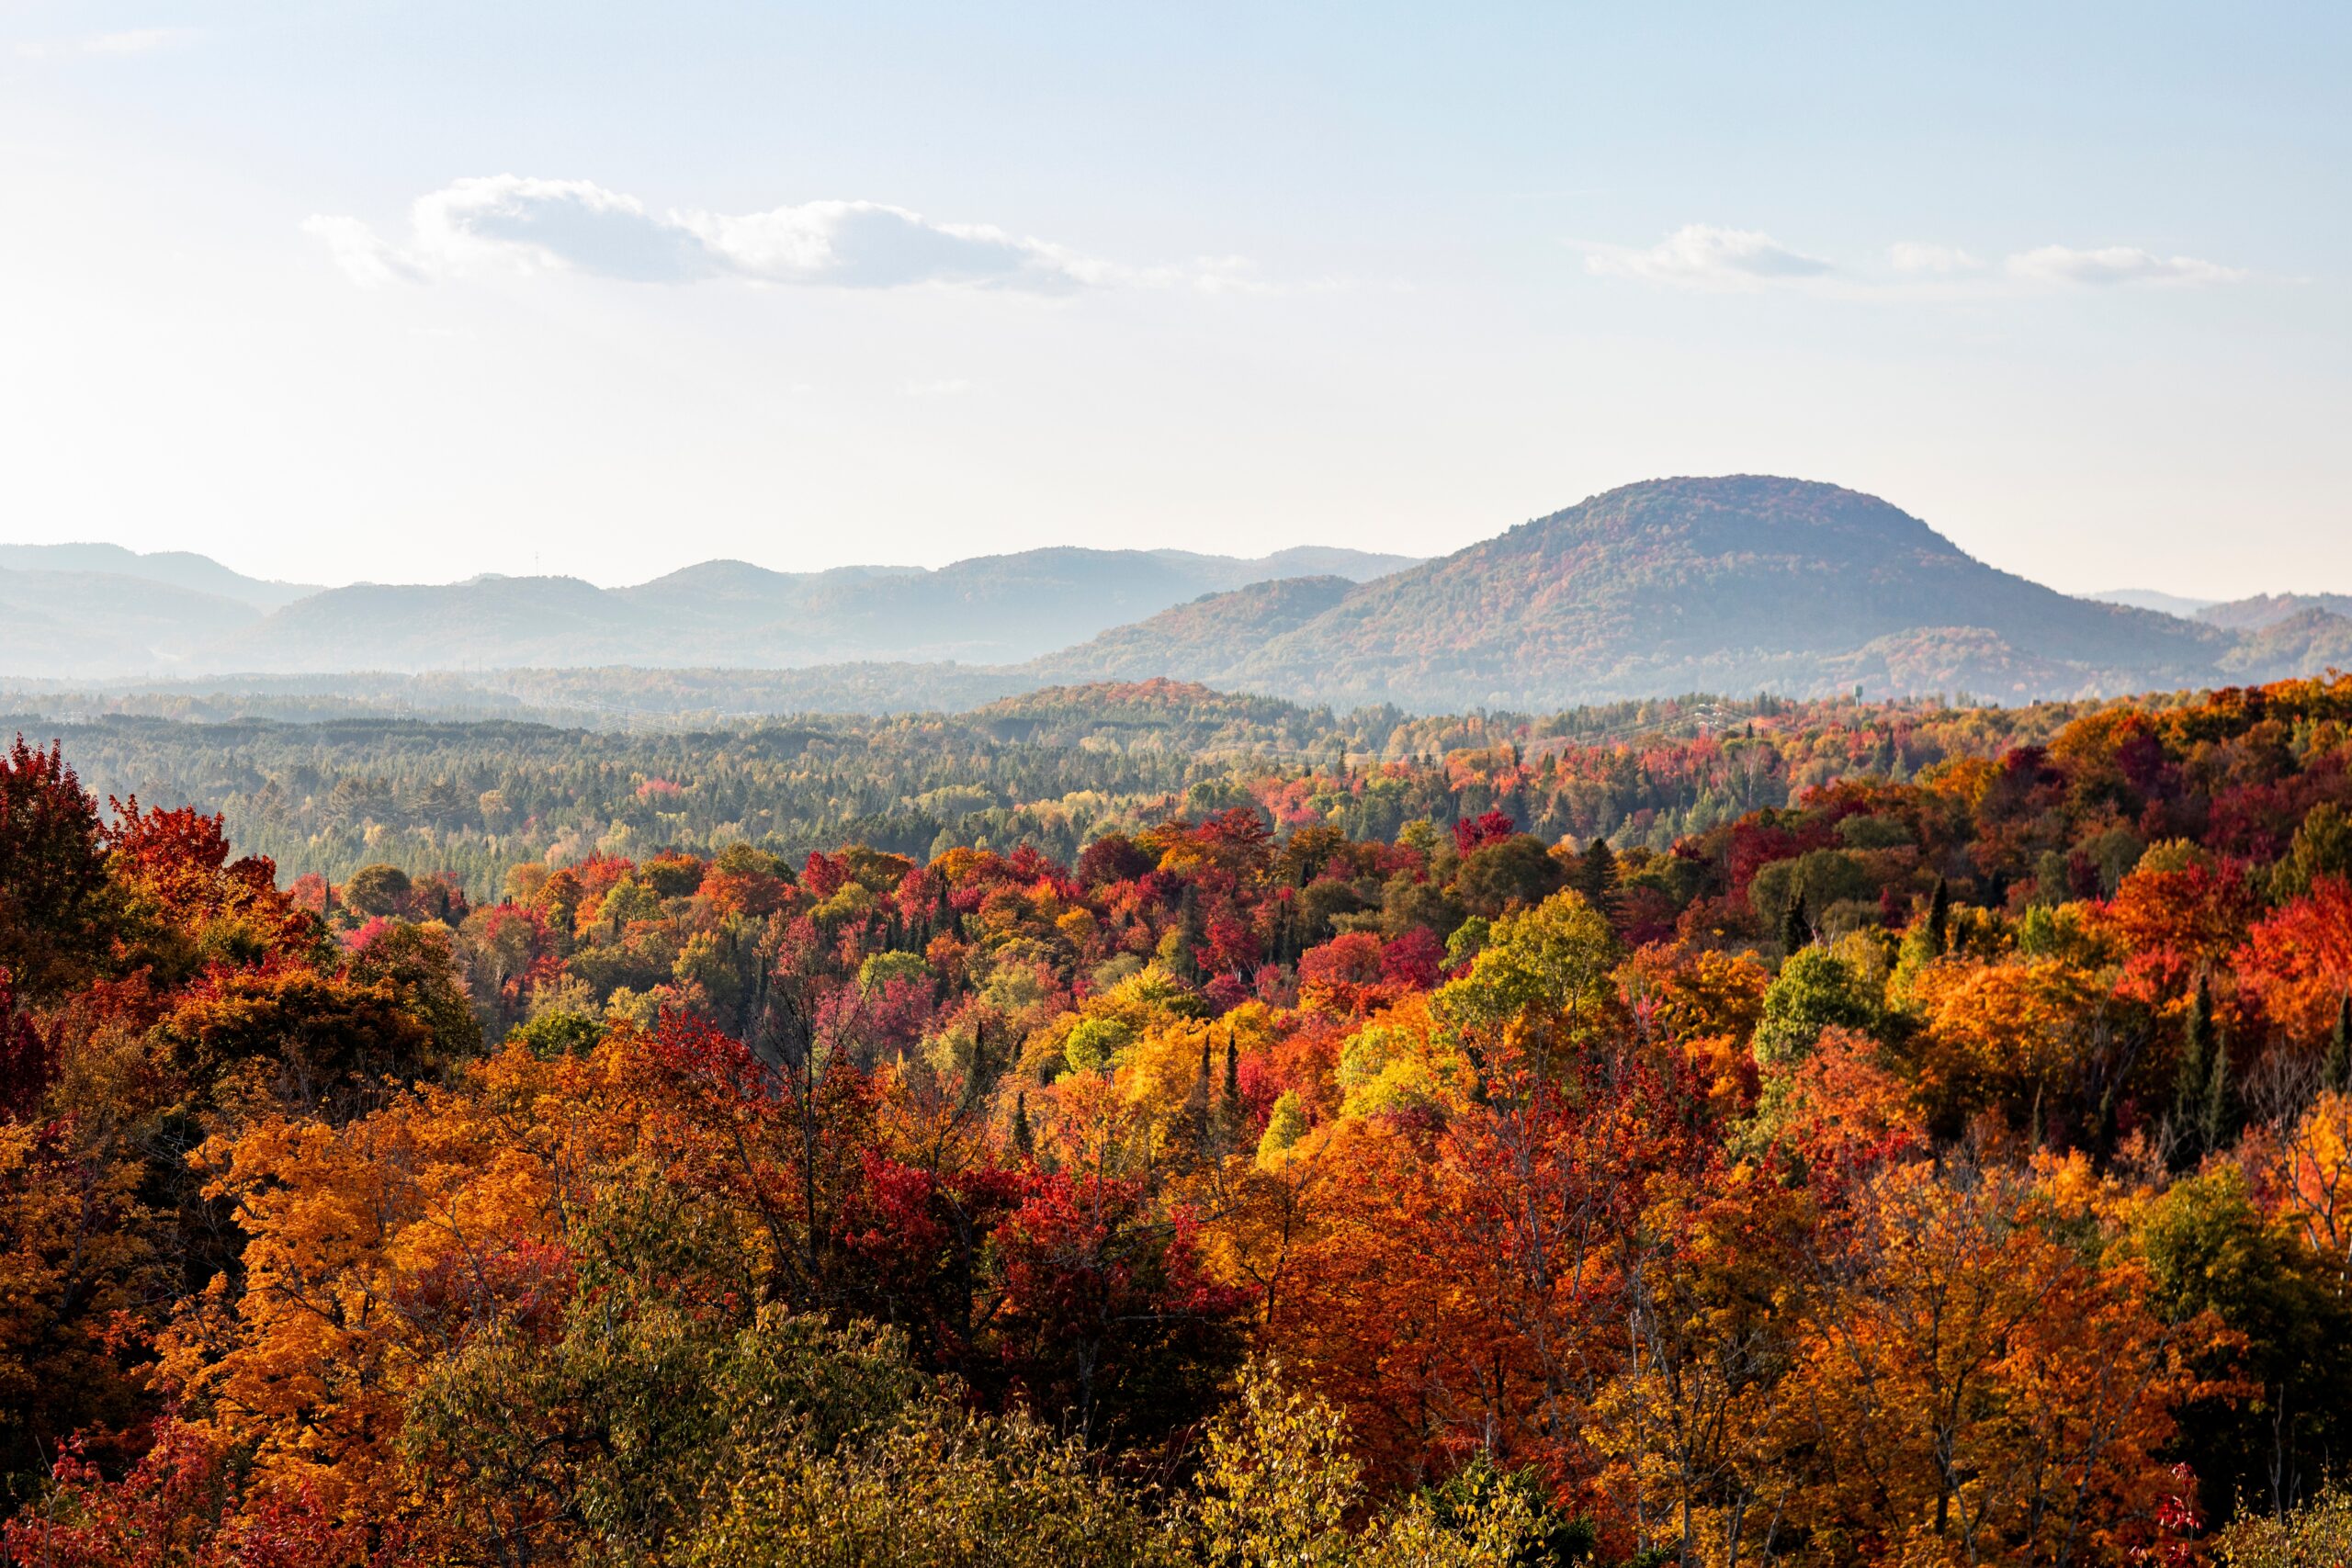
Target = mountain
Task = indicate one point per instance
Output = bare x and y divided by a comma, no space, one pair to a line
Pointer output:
501,620
83,623
997,609
2151,599
1735,585
2304,643
176,568
1213,627
2271,609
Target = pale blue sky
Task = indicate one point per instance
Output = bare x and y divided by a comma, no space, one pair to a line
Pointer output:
416,290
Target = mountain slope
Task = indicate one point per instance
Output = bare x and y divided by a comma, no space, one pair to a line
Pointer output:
413,627
176,568
1719,585
2304,643
987,609
2151,599
87,623
2266,610
1216,627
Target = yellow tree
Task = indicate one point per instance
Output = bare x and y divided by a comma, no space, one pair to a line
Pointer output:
1977,1384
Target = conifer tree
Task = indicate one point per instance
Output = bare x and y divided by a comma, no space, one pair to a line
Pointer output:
2191,1083
1796,926
1597,876
1196,1104
1024,1141
2217,1116
1192,933
1229,1119
1940,919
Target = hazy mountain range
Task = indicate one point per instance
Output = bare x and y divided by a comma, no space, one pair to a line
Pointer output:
101,611
1733,584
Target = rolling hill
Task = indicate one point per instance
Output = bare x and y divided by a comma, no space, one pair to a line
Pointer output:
1733,584
2266,610
70,623
127,620
176,568
2151,599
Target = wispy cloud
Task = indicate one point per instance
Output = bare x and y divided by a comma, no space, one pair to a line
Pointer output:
1918,257
1702,256
2116,264
517,224
1699,255
360,251
135,40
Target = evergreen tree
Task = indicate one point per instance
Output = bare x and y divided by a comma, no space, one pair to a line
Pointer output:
1229,1118
1024,1141
1796,926
1193,931
2335,1068
978,1075
2190,1084
2216,1117
1196,1104
1597,876
1940,919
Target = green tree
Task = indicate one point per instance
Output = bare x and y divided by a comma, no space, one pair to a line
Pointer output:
2321,847
2209,1247
375,889
1597,876
1814,989
1546,976
2193,1079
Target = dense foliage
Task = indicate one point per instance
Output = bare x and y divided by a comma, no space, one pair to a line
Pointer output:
1938,1155
1052,769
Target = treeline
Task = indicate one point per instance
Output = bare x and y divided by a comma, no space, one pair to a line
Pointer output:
1936,1169
1052,769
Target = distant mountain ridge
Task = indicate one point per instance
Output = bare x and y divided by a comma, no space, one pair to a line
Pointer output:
2151,599
1738,584
176,568
983,610
2273,609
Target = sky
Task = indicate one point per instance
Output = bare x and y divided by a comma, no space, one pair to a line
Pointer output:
408,291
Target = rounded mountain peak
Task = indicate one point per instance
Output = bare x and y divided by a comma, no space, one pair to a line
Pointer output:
1736,514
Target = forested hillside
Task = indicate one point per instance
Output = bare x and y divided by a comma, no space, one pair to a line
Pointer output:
1743,583
1051,768
1933,1155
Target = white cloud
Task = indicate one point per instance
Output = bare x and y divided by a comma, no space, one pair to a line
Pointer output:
137,41
1699,255
2116,264
360,251
1702,256
954,387
1919,257
529,225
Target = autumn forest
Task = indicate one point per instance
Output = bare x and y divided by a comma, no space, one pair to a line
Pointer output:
1693,1133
